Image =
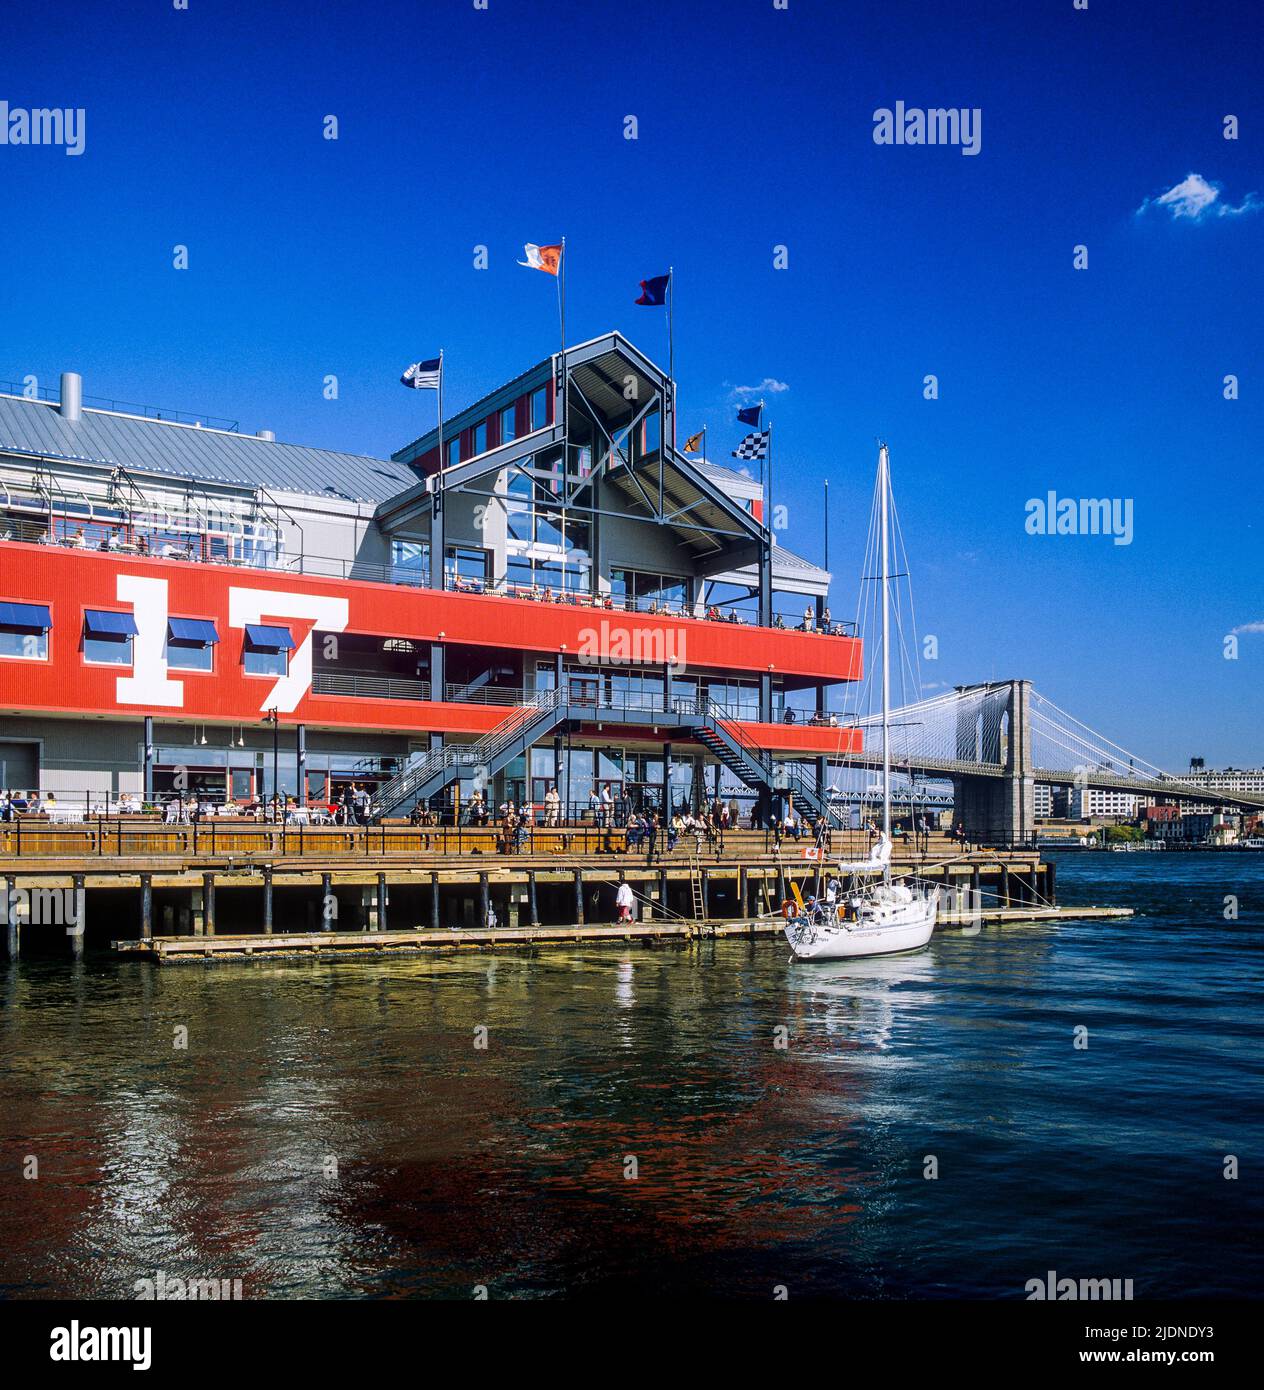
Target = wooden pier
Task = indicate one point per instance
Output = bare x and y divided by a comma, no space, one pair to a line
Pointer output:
367,944
175,891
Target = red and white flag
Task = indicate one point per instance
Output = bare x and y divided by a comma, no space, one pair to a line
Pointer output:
545,258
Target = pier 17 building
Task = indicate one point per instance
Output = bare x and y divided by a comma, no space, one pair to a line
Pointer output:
546,592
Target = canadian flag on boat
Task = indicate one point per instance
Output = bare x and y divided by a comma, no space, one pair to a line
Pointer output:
813,853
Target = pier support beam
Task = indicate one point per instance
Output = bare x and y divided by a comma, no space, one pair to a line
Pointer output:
579,897
208,904
12,928
484,901
328,903
77,928
146,907
381,902
532,905
662,892
267,899
434,901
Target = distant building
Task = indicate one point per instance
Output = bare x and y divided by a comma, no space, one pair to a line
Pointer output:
1229,779
1090,803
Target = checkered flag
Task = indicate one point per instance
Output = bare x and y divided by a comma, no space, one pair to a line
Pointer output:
754,446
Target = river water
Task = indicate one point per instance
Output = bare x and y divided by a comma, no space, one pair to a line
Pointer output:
637,1123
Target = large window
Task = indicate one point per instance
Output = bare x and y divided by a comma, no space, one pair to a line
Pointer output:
454,451
24,630
507,425
540,408
191,644
266,650
410,562
467,567
641,590
107,637
480,438
650,434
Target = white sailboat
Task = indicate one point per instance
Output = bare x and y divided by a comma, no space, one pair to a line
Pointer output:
878,914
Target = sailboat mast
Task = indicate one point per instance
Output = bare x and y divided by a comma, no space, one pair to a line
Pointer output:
884,485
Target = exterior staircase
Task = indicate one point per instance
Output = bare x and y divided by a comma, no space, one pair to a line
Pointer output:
724,738
428,773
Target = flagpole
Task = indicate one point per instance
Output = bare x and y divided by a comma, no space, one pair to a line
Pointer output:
671,343
566,446
439,479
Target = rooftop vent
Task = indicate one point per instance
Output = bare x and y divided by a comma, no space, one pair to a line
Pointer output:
71,406
266,434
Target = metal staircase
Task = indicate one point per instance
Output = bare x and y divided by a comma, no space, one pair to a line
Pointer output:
724,738
427,775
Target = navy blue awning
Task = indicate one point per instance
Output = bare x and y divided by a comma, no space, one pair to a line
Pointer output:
192,630
100,623
269,639
32,615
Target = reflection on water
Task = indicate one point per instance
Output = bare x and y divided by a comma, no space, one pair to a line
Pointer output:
336,1130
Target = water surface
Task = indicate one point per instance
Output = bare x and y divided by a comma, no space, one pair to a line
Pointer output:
332,1130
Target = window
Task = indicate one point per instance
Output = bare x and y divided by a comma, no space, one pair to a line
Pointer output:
480,438
650,433
507,424
454,451
266,650
191,644
107,637
466,567
540,408
410,562
24,630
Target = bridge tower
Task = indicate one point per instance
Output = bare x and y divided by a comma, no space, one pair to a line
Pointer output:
996,730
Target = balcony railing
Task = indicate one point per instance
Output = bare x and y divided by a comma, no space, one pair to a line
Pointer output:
241,549
362,685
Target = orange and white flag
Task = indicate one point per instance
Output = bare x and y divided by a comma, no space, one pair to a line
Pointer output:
545,258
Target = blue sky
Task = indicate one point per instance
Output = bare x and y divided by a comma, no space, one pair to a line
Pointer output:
460,127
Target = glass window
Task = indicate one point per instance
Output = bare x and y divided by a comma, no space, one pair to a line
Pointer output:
467,567
507,423
261,663
241,784
112,650
410,561
28,643
540,408
480,437
189,656
650,433
454,451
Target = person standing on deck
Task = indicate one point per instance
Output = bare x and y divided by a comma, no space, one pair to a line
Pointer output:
624,901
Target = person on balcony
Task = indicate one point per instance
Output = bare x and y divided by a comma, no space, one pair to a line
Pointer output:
552,806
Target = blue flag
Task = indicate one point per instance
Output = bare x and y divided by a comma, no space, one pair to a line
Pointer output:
653,291
749,415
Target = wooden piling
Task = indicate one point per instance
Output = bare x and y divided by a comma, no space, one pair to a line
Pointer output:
381,903
326,900
208,904
434,900
146,907
579,897
484,901
13,931
531,899
267,899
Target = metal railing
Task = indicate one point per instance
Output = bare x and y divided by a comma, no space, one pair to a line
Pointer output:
362,685
125,535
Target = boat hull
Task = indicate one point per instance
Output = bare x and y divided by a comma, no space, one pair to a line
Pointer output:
908,929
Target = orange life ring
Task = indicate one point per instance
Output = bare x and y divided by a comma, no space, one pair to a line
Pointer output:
788,909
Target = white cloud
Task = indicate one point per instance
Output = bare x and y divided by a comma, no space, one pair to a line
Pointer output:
1247,627
1197,199
770,386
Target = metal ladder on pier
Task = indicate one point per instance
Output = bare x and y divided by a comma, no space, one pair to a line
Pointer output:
695,887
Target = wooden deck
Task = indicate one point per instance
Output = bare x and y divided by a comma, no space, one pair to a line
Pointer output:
307,945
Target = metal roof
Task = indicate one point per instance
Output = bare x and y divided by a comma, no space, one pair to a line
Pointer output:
140,445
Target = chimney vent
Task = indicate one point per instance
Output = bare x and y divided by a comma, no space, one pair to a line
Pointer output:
266,434
71,396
